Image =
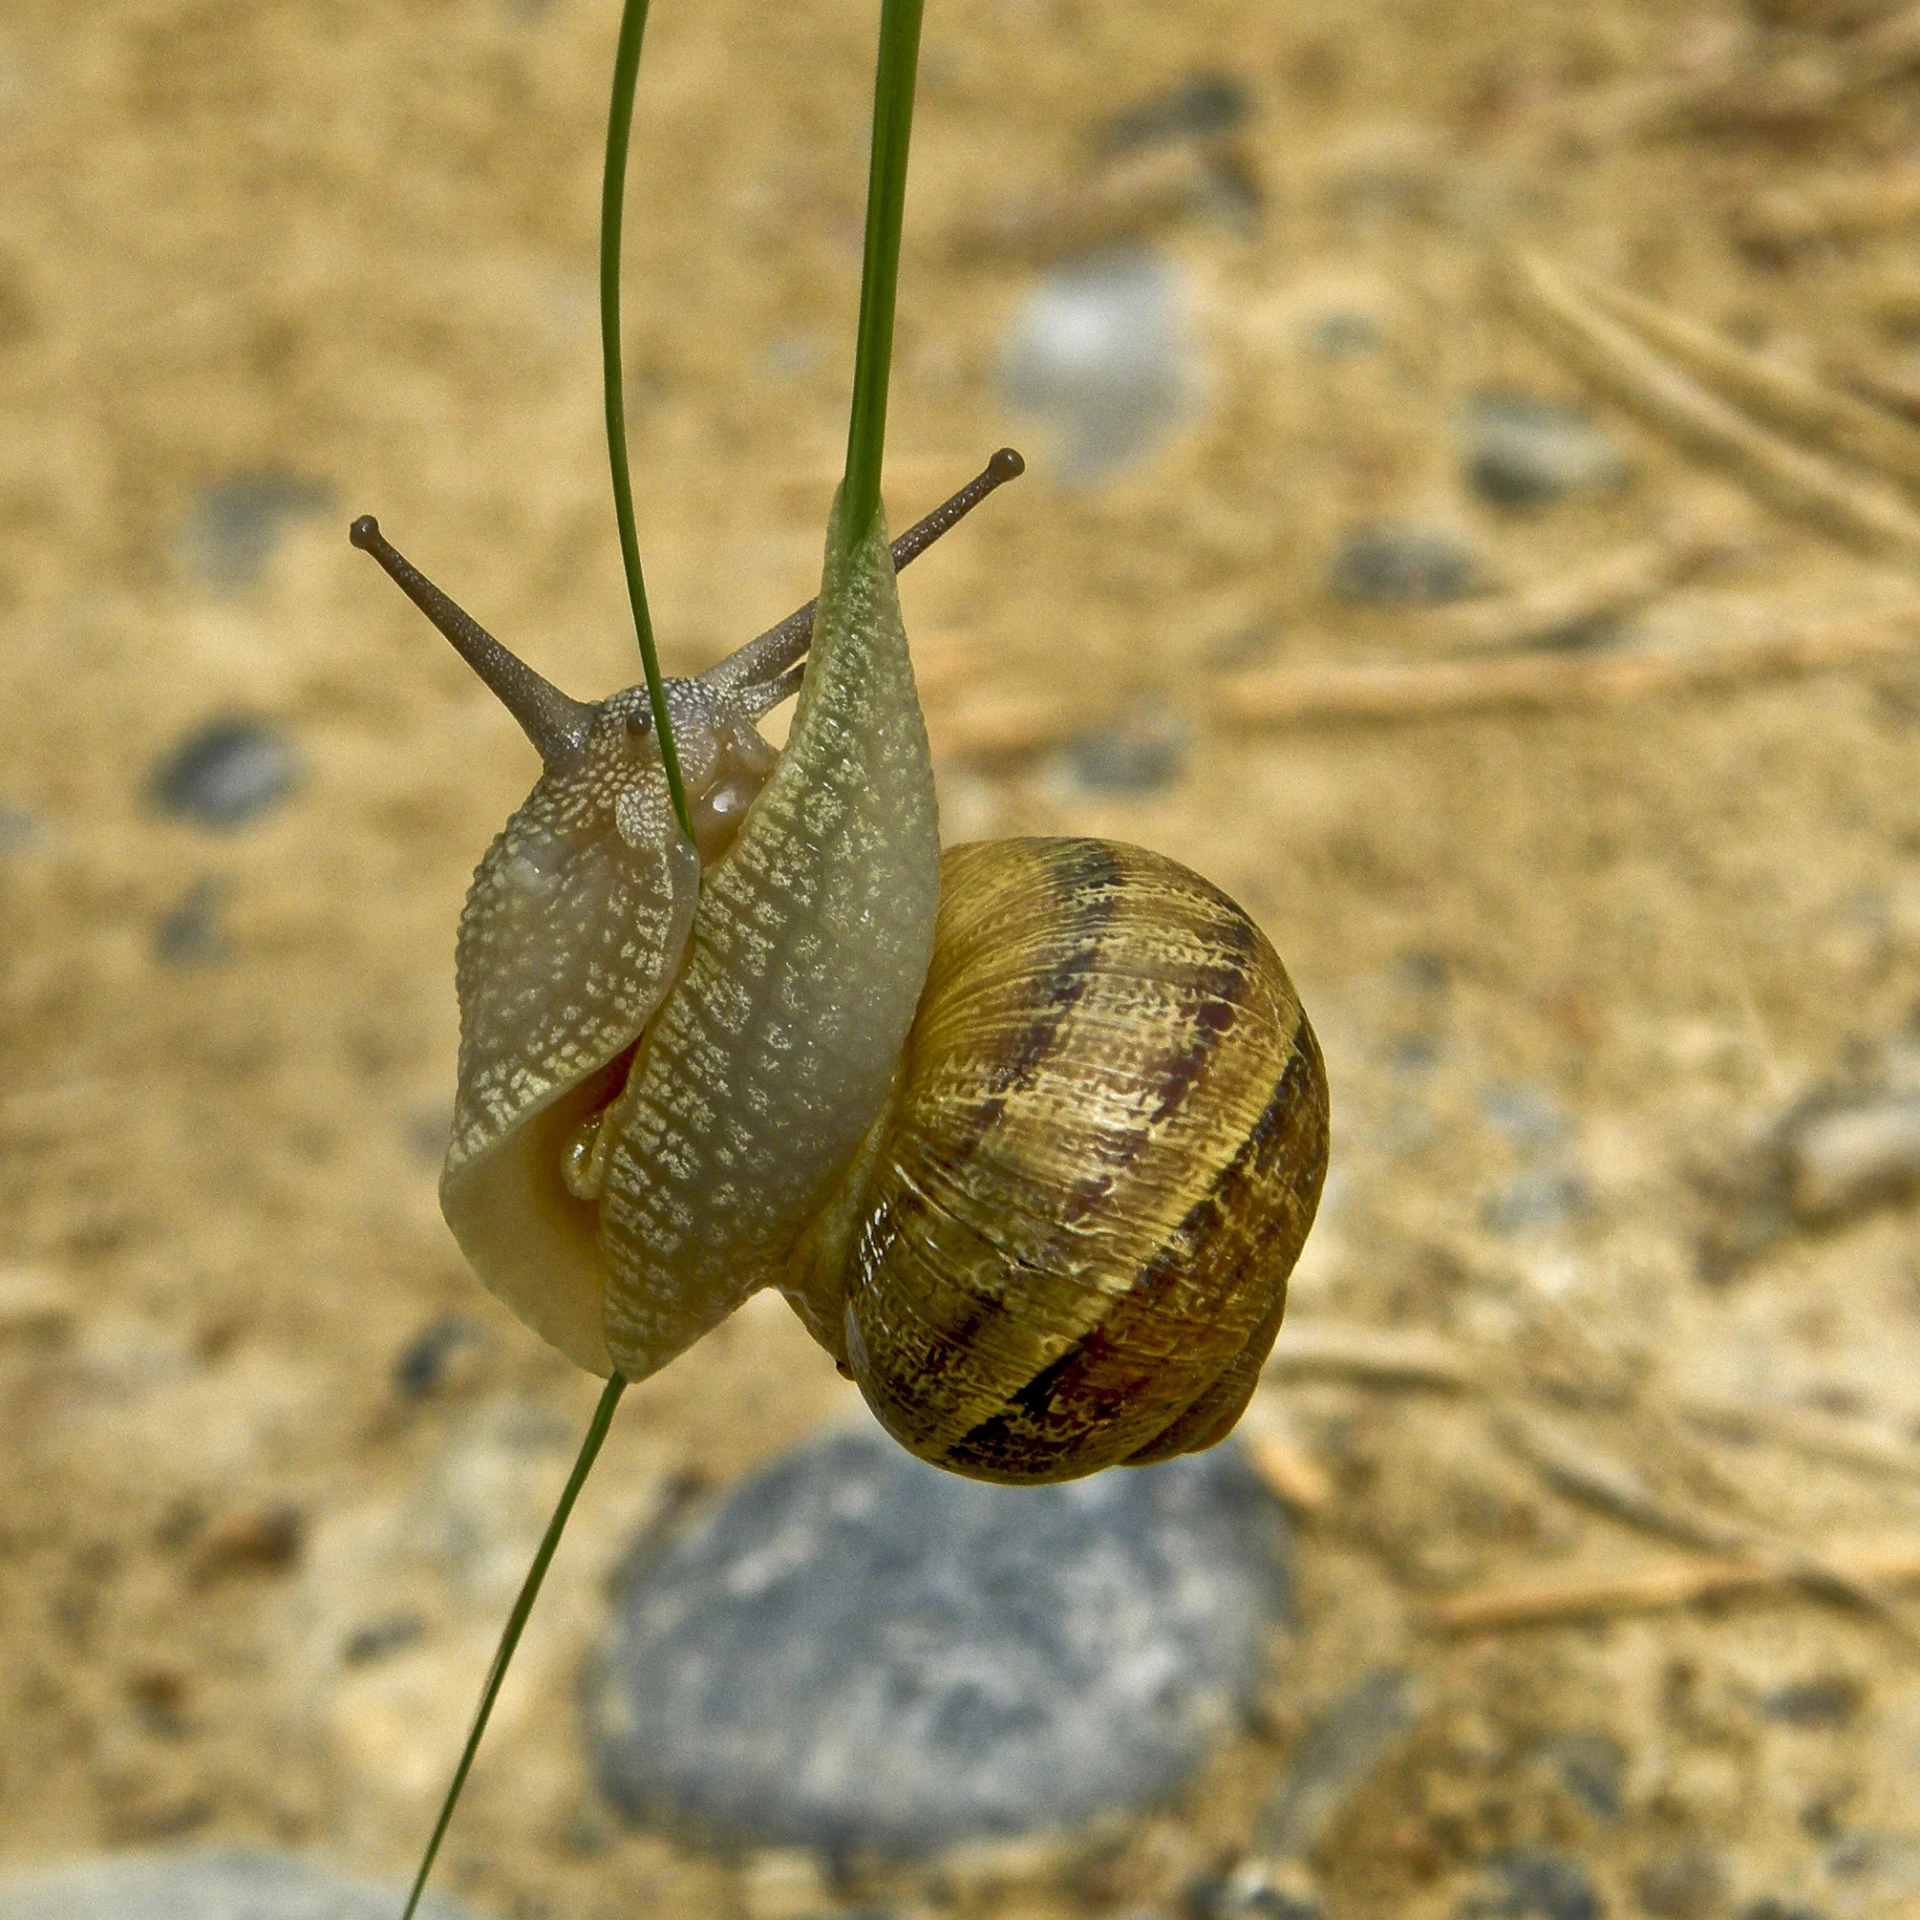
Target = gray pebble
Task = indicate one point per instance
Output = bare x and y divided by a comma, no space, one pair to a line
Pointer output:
1202,104
1524,1116
1099,350
1842,1160
376,1639
1138,754
1827,1700
1394,564
1688,1885
1538,1200
225,774
237,522
1769,1908
19,830
190,934
240,1886
1592,1767
1528,1885
1342,336
856,1652
1524,452
439,1357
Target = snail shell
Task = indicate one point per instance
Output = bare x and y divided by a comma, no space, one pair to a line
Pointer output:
1075,1226
1030,1136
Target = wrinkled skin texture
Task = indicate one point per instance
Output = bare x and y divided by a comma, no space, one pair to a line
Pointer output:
662,1073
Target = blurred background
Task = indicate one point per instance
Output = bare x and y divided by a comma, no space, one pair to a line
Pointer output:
1391,375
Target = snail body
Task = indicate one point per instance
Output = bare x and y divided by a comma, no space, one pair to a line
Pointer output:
1030,1134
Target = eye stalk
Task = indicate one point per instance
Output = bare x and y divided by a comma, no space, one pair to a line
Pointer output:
755,679
556,723
767,670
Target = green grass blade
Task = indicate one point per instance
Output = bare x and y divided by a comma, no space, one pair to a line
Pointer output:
613,193
880,275
516,1625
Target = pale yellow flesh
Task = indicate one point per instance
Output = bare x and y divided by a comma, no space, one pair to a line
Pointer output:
577,921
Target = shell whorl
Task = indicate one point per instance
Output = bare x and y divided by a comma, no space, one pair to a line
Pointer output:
1104,1153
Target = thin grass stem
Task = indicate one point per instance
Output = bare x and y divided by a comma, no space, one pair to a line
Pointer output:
516,1625
613,193
880,275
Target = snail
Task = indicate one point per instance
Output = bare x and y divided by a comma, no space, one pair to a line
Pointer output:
1030,1134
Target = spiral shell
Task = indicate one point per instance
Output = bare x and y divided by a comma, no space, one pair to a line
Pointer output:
1073,1230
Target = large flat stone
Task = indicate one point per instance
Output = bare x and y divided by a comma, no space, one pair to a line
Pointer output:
855,1652
201,1886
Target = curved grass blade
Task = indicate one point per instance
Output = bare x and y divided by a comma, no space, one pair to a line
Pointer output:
613,194
516,1625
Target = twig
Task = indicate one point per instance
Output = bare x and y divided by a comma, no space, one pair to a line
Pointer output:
1292,1474
1785,218
1814,1435
1412,690
1584,598
1790,399
1738,90
1801,484
1374,1356
988,725
1606,1483
1126,198
1572,1464
1676,1582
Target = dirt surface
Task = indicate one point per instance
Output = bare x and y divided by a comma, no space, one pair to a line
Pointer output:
264,266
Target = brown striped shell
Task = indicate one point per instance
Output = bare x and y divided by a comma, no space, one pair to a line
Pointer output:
1067,1244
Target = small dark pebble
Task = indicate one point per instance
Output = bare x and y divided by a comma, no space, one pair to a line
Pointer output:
1536,1886
1592,1767
1828,1700
1525,452
378,1638
19,830
240,1886
1688,1885
1772,1909
225,774
266,1539
1139,754
1206,103
190,934
1414,1053
1544,1198
1342,336
428,1133
438,1357
237,522
855,1652
1397,565
1524,1116
1852,1856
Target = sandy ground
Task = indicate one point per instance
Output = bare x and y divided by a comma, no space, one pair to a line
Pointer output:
1563,964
